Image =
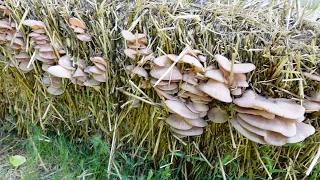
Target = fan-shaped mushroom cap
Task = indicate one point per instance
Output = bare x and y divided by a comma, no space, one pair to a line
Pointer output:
129,36
45,66
130,53
161,83
59,71
194,131
216,90
55,91
253,129
140,71
192,89
178,122
193,61
84,37
168,87
22,56
217,115
5,25
23,66
248,134
200,122
202,58
215,74
181,109
311,106
314,96
286,128
79,30
101,67
237,68
45,48
47,55
77,81
99,60
162,61
91,83
41,38
78,73
254,112
82,63
34,24
236,92
203,113
191,107
200,107
276,106
174,74
311,76
47,61
39,31
65,61
164,94
190,78
99,77
77,22
239,80
95,70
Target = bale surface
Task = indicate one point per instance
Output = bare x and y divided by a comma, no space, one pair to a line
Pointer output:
280,38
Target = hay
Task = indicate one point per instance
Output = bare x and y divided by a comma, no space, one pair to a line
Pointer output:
280,38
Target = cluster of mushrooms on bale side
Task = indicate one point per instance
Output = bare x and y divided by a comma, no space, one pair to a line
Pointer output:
187,85
55,63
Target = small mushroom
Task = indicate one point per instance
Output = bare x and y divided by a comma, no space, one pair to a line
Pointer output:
174,74
257,112
216,90
60,71
312,76
162,61
199,122
176,121
77,23
84,37
215,74
217,115
34,24
131,53
237,68
194,131
55,91
181,109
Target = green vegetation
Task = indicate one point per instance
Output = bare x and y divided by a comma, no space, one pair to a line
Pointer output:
89,133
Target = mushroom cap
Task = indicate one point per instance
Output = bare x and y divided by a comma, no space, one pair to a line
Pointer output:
202,58
200,107
311,76
45,48
84,37
203,113
45,66
178,122
23,66
47,55
100,77
216,90
79,30
99,60
190,78
199,122
262,113
194,131
239,80
41,38
314,96
81,63
174,74
311,106
129,36
39,31
237,68
77,22
101,66
162,61
169,87
249,127
276,125
181,109
131,53
59,71
65,61
161,83
276,106
22,56
248,134
191,107
192,89
217,115
193,61
78,73
55,91
236,92
5,25
91,83
34,24
95,70
33,34
140,71
215,74
164,94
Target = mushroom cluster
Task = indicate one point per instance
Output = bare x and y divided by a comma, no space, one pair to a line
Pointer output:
79,28
270,121
312,104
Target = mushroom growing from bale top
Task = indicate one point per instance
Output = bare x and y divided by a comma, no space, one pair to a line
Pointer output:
270,121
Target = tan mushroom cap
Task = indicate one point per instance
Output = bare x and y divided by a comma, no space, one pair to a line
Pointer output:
130,53
129,36
217,115
99,60
91,83
311,76
181,109
200,122
311,106
190,78
192,89
77,22
84,37
47,55
164,94
55,91
174,74
216,90
44,60
248,134
23,66
237,68
215,74
101,67
169,87
194,131
276,125
59,71
161,83
178,122
239,79
276,106
200,107
99,77
34,24
22,56
162,61
236,91
39,31
45,48
41,38
78,73
253,129
95,70
262,113
193,61
140,71
65,61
